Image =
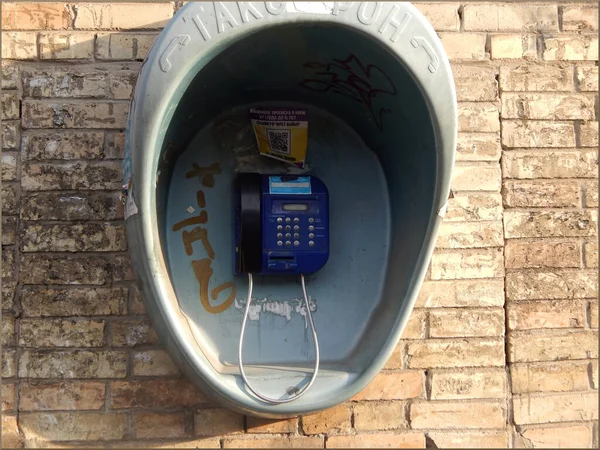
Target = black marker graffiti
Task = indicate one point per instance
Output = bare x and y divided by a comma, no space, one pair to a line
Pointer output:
351,78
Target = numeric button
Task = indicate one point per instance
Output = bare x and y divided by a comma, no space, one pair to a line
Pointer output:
311,228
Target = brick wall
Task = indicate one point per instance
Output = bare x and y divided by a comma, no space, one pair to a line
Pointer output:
501,349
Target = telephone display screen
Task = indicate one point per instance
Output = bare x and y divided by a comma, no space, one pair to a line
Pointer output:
295,206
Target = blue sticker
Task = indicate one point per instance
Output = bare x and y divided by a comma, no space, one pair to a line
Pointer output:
295,185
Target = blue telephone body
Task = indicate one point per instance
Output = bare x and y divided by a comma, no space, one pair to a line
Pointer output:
281,224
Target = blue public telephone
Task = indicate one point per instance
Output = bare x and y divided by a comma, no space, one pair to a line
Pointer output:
281,224
281,227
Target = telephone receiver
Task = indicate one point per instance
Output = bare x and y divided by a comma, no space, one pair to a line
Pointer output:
281,227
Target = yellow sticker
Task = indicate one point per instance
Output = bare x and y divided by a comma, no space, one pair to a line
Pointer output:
281,133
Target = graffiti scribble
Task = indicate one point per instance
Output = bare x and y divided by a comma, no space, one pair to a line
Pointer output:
353,79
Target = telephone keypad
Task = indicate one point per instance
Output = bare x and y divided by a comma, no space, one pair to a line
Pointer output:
311,228
279,235
296,243
296,235
303,234
288,235
279,243
288,220
288,228
288,243
296,227
279,227
296,220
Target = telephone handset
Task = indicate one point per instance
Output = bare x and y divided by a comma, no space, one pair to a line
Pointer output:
281,227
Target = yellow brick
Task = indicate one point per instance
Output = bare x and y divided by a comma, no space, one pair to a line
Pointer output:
473,206
464,45
571,48
122,15
11,438
393,386
19,45
469,439
510,17
457,414
215,422
34,16
461,293
590,250
331,421
153,363
66,45
467,263
408,439
67,426
478,117
470,235
593,313
558,345
548,106
275,442
535,77
61,396
580,18
124,45
260,425
478,147
535,133
150,425
442,16
539,193
379,416
575,436
477,178
549,223
415,328
469,384
546,314
514,46
587,78
542,253
466,322
438,353
7,397
550,377
556,408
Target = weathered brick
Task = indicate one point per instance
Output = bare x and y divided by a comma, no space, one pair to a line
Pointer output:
276,442
160,393
9,166
67,45
72,364
476,178
415,328
461,293
409,439
574,436
122,15
124,45
478,117
478,147
558,284
9,105
547,106
588,133
8,331
9,73
8,263
11,135
464,45
556,408
594,380
469,439
50,269
549,223
587,78
7,397
73,238
590,252
560,345
152,425
136,302
260,425
530,133
550,377
580,18
546,314
541,254
535,77
50,144
60,83
34,16
379,416
510,17
9,199
476,263
11,437
540,193
395,359
9,363
334,420
514,46
470,235
71,176
466,207
466,322
442,16
393,386
121,84
68,426
217,421
9,229
590,193
41,301
19,45
457,414
571,48
153,363
72,395
488,383
8,297
80,206
132,333
61,333
86,114
475,82
435,353
115,145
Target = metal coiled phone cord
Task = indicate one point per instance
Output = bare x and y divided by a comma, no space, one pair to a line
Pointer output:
314,334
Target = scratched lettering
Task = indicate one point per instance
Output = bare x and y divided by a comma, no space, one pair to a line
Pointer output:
353,79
